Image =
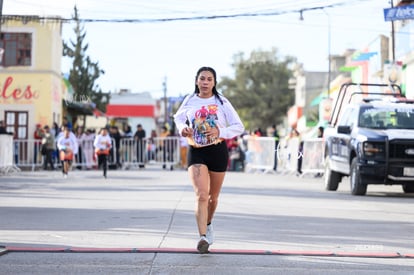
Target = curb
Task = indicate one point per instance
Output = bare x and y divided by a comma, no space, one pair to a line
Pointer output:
11,249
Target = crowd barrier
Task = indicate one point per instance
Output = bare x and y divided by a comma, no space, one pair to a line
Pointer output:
313,156
261,154
6,155
164,152
288,155
161,151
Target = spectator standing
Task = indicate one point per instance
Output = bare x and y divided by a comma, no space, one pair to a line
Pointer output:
320,135
48,147
236,155
139,137
165,146
276,136
87,145
127,144
67,123
116,137
80,136
320,132
37,135
296,134
3,129
55,130
152,146
127,131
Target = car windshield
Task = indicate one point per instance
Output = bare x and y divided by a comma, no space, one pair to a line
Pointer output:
387,118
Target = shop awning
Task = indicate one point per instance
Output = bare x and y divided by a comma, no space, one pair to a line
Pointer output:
79,108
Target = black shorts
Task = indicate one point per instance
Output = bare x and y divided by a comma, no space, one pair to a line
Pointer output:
215,156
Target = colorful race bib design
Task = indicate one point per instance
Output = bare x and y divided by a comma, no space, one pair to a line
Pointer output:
204,119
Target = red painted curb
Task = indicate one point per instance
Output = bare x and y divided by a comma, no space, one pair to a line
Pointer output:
35,249
104,250
9,249
305,253
166,250
369,254
241,251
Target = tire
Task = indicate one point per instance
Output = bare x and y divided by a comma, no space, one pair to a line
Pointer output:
408,188
331,178
357,187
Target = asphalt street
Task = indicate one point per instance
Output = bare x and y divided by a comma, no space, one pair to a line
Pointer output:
142,222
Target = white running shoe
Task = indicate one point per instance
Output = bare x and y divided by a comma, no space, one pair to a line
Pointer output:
203,245
210,234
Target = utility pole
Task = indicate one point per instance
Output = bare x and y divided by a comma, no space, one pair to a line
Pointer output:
164,85
392,37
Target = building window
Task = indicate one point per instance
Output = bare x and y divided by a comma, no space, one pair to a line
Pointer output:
17,123
17,49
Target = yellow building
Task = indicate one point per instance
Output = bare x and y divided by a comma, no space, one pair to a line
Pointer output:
31,86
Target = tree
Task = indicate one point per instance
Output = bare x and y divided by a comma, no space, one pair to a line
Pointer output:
84,71
260,90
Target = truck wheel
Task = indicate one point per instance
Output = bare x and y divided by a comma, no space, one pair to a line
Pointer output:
331,178
357,187
408,188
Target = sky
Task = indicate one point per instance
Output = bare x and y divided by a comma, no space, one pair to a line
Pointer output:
160,46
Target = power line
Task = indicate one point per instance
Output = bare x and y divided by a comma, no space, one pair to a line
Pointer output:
193,18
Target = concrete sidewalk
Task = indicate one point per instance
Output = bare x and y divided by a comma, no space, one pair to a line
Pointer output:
142,222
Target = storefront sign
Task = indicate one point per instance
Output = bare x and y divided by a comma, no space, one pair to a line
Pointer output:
399,13
8,92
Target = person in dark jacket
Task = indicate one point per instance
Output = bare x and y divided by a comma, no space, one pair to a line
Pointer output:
116,137
48,147
139,137
3,130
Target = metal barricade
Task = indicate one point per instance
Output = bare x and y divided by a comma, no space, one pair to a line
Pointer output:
260,154
163,151
313,156
27,153
6,155
132,153
86,157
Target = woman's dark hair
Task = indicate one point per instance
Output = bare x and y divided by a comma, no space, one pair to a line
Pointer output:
211,70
